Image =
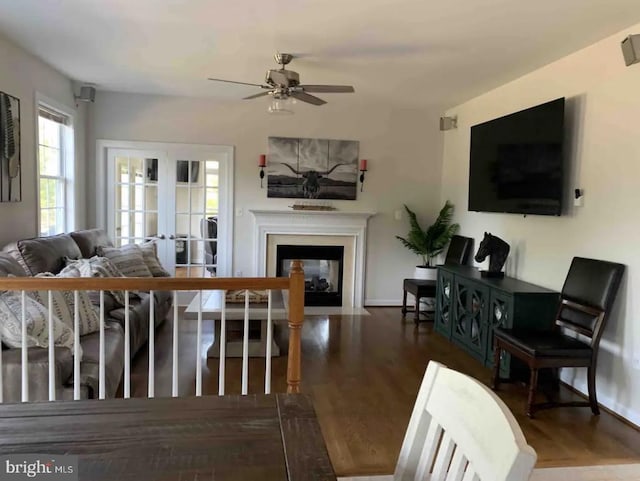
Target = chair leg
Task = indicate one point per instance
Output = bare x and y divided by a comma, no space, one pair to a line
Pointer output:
495,382
533,383
555,380
591,380
404,303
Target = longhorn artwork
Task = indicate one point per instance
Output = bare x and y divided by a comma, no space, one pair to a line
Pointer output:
312,168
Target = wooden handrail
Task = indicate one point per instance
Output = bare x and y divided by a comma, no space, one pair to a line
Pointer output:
142,283
294,284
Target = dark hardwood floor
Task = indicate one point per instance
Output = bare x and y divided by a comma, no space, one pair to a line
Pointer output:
363,374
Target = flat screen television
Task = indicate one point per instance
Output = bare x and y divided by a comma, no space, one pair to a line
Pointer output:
516,162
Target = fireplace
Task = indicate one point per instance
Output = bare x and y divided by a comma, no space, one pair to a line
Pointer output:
315,228
323,271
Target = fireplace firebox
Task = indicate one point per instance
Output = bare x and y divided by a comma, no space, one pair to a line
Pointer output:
323,269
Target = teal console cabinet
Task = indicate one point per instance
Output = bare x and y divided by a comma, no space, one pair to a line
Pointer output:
469,307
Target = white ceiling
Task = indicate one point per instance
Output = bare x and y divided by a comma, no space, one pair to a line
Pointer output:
409,52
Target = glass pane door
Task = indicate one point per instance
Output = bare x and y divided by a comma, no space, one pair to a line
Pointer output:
180,195
196,218
135,199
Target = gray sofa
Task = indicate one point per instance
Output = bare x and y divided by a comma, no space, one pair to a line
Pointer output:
46,254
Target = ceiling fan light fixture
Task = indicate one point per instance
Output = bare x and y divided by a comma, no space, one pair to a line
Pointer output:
280,107
284,85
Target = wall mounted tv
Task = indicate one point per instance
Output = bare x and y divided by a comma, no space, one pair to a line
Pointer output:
516,163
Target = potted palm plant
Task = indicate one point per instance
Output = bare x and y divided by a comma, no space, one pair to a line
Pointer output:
430,242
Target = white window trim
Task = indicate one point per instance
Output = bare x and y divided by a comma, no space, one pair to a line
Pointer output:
70,164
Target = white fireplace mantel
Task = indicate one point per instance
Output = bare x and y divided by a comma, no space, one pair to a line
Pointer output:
320,223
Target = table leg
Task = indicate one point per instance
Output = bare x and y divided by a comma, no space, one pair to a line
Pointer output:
257,346
404,302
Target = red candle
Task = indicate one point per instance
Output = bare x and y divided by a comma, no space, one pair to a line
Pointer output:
263,161
363,164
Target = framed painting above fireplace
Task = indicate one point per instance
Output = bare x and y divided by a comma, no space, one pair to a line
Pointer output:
301,168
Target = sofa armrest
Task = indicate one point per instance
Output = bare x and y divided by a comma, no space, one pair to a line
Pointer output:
38,373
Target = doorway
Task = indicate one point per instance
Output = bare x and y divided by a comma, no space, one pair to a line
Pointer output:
178,195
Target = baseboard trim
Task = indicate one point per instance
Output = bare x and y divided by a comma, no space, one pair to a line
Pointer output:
382,302
628,416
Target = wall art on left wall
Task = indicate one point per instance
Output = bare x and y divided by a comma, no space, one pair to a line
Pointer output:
10,166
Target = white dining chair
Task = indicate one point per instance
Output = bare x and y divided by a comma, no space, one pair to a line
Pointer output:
460,431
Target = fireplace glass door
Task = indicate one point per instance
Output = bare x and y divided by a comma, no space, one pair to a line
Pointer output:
323,271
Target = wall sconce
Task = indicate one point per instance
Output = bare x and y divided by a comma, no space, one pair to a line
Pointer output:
363,169
262,163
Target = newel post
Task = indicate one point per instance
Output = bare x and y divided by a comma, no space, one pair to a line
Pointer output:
296,316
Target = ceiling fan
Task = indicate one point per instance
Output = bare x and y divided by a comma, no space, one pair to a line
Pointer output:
282,84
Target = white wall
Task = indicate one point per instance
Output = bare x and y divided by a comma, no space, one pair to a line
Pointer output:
403,148
603,115
22,75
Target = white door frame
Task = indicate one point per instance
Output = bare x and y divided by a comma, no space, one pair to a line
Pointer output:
226,153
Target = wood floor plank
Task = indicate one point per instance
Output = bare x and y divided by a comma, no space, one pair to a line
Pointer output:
363,374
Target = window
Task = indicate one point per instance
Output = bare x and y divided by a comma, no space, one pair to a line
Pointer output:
55,171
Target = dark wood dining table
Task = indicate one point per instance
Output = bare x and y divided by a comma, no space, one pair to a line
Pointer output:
227,438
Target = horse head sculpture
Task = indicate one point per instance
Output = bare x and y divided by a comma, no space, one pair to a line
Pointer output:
497,250
311,184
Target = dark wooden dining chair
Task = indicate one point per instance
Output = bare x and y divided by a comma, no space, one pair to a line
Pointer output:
585,303
457,253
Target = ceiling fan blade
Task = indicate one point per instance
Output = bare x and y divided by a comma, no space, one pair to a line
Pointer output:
310,99
335,89
240,83
261,94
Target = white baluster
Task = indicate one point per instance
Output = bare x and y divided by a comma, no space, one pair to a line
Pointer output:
52,355
223,342
102,361
267,367
127,347
245,345
174,380
199,349
76,345
24,352
152,345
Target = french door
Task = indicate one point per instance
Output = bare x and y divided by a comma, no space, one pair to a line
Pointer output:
178,195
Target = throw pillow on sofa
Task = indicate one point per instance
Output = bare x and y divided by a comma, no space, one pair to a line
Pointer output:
127,259
98,267
64,304
150,256
37,323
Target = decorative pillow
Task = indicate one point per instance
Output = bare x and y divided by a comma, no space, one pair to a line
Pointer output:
64,307
127,259
37,323
70,270
150,256
97,267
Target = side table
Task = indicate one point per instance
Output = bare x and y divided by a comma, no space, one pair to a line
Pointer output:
419,288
